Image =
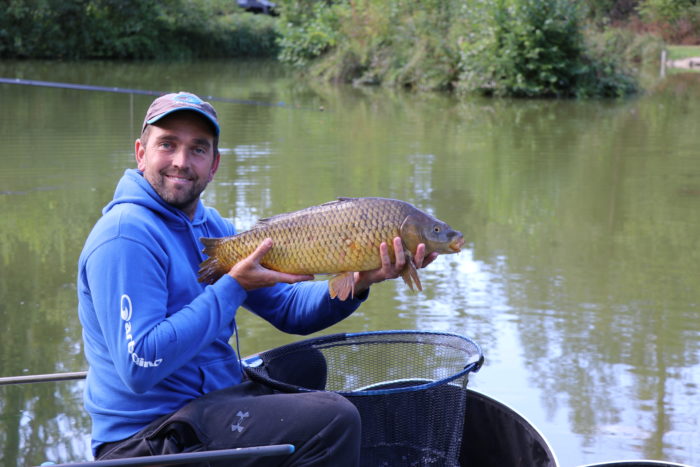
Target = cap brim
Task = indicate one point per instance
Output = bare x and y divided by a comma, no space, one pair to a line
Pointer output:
194,109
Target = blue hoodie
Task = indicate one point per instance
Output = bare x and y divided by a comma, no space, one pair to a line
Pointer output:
155,338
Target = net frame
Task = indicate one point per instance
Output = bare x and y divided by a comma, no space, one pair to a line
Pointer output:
256,366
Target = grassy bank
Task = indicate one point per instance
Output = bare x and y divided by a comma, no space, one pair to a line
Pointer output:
679,52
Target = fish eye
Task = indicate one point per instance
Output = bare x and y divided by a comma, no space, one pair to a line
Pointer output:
436,229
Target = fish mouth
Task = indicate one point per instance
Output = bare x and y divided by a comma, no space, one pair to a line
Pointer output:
456,244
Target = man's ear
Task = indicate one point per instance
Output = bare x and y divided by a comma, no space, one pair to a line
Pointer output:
140,154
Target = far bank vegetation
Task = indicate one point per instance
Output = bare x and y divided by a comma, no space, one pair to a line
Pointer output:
521,48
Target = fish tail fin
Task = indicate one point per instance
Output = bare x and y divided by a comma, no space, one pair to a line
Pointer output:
410,276
342,286
211,269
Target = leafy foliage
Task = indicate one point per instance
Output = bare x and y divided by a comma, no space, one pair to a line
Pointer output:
605,11
76,29
534,48
530,48
523,48
677,21
308,29
666,10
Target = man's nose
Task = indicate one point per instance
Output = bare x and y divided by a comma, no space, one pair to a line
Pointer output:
180,158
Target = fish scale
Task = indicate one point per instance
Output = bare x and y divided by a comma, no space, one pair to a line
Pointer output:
338,237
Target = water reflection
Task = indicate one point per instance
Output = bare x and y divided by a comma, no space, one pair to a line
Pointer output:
581,219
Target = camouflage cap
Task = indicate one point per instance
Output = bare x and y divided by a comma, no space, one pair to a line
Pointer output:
174,102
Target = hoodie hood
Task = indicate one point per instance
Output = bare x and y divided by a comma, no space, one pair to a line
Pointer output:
134,188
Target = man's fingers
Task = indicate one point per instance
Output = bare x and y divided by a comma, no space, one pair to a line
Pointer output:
261,250
420,255
399,253
251,275
384,255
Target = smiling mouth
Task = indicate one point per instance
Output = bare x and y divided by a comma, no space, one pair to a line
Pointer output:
178,178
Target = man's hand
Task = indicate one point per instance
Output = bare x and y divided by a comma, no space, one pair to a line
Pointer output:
252,275
388,270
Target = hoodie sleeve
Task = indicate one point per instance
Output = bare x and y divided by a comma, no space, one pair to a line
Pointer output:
301,308
129,293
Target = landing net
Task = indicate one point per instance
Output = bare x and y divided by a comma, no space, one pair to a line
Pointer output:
410,388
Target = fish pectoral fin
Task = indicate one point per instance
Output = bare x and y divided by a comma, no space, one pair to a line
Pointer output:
409,274
342,286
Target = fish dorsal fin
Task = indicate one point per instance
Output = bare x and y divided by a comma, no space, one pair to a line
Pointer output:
269,220
265,221
262,222
338,200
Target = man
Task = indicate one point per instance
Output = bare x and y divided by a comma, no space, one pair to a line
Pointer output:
163,377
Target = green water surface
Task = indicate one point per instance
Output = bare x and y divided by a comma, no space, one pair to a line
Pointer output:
579,277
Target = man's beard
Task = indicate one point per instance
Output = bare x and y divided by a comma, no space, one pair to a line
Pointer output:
180,198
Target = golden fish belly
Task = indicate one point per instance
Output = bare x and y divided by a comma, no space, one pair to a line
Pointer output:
307,249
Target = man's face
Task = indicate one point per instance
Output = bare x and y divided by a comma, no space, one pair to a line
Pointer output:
178,159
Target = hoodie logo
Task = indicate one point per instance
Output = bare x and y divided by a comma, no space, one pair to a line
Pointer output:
126,308
126,311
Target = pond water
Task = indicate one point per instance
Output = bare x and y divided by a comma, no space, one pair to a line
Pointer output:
579,278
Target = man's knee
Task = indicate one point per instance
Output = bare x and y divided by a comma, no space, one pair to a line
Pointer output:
340,437
347,414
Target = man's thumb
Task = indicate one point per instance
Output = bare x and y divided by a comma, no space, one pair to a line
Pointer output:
261,250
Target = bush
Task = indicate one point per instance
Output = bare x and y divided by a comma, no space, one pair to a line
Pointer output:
522,48
665,10
308,29
677,21
531,48
392,42
249,35
607,11
78,29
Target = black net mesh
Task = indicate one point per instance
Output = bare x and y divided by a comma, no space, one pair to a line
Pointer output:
410,388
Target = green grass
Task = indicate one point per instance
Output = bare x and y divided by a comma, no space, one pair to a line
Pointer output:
678,52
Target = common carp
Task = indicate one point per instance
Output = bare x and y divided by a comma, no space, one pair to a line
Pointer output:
338,237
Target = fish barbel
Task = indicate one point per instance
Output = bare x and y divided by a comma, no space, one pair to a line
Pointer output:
338,237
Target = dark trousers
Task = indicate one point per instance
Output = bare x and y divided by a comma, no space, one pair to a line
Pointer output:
323,426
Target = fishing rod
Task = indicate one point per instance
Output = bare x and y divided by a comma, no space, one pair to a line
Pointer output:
87,87
25,379
45,378
186,457
163,459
